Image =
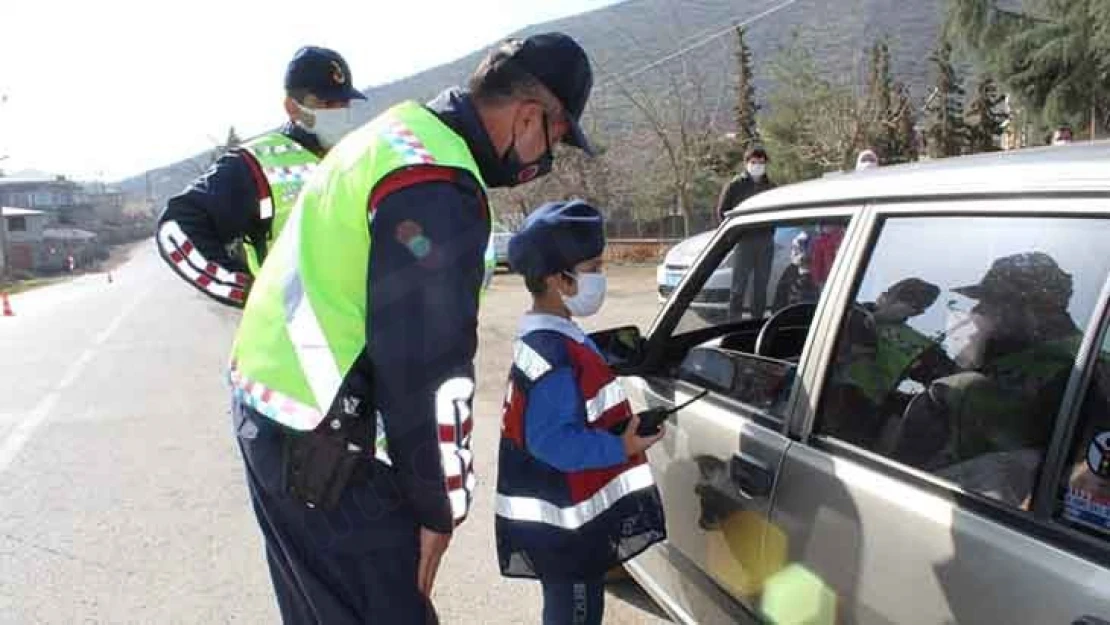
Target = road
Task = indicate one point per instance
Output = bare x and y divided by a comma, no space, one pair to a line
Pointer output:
122,496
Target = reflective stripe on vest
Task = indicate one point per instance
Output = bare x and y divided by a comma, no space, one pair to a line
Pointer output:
534,510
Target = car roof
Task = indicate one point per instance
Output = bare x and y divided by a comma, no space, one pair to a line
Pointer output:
1072,169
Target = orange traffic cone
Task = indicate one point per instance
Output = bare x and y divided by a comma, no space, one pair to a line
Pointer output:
7,305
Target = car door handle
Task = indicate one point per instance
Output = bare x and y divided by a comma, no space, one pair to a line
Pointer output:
753,477
1090,620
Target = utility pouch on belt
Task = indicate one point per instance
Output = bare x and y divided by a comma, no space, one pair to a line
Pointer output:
320,464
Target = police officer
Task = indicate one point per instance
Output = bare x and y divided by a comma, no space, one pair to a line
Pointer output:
353,371
245,198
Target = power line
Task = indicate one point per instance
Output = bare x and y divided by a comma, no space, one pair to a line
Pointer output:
698,44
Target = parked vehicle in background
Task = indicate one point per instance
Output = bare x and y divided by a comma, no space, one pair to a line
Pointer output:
501,235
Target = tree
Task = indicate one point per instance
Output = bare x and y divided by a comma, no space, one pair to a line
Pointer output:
1054,59
879,111
985,119
232,140
946,133
747,133
813,125
903,148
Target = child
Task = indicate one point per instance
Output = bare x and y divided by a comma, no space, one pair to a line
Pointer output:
573,499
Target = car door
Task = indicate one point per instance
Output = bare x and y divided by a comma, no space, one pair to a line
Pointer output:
926,486
717,465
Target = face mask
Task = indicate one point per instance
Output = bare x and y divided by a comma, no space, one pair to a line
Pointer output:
757,170
513,171
967,334
590,296
330,125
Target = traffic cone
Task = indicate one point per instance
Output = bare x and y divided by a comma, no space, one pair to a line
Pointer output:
7,305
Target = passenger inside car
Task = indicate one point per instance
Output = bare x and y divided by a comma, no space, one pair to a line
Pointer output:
796,285
986,427
883,353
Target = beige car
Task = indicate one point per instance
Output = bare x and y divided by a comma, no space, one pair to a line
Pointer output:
918,429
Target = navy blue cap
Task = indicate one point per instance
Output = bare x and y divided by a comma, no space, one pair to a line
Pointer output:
556,237
323,73
561,65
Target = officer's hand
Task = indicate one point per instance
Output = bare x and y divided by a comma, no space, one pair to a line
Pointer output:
432,546
634,443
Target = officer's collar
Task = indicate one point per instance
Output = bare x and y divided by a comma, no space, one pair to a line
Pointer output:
455,108
534,322
303,137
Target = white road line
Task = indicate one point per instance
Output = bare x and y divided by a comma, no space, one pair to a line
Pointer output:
23,430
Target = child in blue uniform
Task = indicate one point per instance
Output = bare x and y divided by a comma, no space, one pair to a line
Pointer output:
573,499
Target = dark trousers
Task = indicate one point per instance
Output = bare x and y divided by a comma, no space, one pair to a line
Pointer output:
355,564
753,258
573,603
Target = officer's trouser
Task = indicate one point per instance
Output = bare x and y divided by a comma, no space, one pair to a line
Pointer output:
355,564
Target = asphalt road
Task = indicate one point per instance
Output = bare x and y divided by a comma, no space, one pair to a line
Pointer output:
122,497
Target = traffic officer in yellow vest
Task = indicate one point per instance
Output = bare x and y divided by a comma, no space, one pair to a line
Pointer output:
239,206
352,370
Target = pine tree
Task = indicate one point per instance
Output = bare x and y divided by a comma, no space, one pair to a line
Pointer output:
1056,58
233,140
984,117
879,112
905,122
946,133
747,133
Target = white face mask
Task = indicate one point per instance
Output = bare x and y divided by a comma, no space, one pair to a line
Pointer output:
757,170
331,125
590,296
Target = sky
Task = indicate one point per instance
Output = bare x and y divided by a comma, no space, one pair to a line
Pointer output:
108,89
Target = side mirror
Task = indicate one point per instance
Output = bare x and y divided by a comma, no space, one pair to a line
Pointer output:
621,347
709,368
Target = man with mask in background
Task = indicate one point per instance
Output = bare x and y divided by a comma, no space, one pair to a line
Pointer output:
353,367
217,232
751,181
756,251
867,159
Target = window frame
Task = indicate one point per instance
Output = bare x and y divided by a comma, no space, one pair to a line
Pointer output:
709,260
1038,522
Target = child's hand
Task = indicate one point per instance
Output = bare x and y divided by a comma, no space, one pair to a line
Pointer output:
634,443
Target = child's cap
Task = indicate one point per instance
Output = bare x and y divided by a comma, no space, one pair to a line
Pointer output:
556,237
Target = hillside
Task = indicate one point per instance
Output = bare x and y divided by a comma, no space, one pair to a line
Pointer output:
626,37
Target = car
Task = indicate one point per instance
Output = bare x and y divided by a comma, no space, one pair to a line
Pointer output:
497,251
713,301
920,430
500,235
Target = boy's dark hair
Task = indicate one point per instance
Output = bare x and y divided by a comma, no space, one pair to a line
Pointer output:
298,95
755,151
536,285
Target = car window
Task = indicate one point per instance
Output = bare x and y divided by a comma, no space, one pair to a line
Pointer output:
762,297
960,340
768,269
1083,499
